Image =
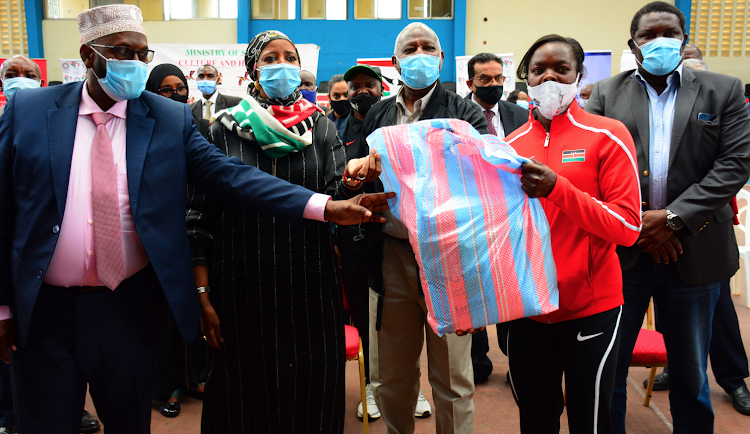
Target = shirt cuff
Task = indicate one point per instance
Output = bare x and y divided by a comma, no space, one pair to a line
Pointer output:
316,207
5,313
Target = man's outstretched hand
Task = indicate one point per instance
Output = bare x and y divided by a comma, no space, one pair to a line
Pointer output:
359,209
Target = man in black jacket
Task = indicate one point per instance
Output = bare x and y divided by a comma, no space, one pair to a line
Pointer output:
398,314
486,85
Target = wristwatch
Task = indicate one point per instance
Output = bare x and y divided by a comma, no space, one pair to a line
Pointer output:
674,222
203,290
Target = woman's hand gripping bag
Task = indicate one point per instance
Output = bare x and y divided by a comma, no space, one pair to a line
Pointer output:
482,245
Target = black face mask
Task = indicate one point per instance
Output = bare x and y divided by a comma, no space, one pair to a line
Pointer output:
341,107
363,102
490,94
179,98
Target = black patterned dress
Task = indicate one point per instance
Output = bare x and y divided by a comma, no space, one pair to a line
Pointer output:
276,291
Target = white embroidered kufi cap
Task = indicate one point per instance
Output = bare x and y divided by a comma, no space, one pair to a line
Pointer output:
106,20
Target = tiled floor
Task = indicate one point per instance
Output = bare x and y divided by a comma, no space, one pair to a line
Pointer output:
496,411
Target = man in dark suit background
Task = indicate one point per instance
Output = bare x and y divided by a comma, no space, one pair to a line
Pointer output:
486,85
692,135
93,246
211,101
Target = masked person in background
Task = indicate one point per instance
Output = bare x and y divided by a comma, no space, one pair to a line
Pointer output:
180,366
212,101
398,313
274,313
19,72
585,94
587,181
308,86
519,98
337,91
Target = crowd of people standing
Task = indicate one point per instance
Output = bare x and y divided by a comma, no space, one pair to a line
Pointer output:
285,207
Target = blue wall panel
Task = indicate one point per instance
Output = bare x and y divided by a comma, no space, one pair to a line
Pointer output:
34,13
343,42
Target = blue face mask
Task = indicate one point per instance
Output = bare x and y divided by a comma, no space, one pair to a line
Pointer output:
310,96
522,103
279,80
207,87
420,70
661,56
12,85
125,79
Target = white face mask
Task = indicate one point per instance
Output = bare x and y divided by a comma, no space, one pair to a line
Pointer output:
552,98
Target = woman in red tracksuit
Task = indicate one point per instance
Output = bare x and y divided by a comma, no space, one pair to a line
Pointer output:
584,170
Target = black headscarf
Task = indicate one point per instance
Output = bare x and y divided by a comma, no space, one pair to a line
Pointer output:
252,54
159,73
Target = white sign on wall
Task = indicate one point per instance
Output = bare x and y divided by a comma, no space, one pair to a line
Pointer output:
73,70
229,60
627,61
509,73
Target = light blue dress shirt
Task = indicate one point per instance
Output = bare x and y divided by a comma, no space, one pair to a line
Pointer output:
660,120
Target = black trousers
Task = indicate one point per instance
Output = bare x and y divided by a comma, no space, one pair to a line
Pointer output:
727,352
351,243
108,340
585,349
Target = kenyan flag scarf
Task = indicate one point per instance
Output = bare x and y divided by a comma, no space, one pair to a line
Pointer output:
278,129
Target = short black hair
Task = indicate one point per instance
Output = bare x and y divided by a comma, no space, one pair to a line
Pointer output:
335,79
216,71
482,58
656,7
523,67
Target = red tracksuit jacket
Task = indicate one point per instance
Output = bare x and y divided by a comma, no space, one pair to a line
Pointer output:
594,205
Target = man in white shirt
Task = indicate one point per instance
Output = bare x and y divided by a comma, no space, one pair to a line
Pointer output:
211,100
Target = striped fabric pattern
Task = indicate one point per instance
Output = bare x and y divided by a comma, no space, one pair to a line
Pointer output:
482,245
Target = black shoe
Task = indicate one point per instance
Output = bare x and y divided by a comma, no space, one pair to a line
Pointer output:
170,409
661,382
481,374
89,423
741,400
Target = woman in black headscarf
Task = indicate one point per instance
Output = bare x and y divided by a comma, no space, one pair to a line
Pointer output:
274,311
180,367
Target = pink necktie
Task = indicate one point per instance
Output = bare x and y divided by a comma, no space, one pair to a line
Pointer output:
110,260
490,126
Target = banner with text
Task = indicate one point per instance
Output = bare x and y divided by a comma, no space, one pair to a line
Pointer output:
509,73
229,60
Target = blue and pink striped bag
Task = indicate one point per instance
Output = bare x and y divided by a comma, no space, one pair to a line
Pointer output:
483,247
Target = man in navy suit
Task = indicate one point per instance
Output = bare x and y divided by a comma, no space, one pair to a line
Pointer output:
80,303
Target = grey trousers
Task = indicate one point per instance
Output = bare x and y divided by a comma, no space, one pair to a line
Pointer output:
395,351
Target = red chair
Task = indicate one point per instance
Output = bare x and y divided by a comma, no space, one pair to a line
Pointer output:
649,351
354,352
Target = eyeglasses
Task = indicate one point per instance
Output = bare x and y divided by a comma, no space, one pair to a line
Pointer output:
168,91
127,53
485,79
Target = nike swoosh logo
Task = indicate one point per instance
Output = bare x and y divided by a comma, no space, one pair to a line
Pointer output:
585,338
349,143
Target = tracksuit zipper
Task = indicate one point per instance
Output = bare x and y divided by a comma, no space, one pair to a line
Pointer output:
546,157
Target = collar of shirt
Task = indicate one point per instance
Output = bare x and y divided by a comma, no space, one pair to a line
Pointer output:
89,106
676,75
212,99
418,104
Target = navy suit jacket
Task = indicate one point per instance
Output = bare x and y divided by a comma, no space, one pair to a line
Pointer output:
163,150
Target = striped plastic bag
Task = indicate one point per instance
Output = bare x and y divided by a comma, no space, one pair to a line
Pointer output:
483,247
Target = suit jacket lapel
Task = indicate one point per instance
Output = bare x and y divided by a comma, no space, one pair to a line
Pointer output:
62,124
137,139
683,107
221,103
507,118
639,105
